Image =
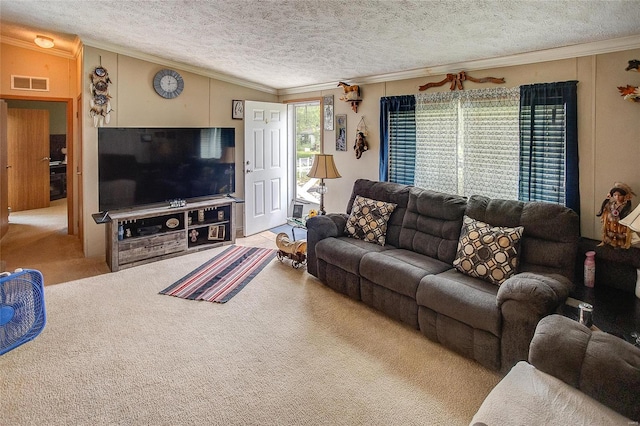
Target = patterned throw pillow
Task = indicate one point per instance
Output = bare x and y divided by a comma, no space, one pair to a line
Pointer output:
488,252
368,220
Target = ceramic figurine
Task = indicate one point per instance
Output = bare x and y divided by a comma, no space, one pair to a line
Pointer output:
615,207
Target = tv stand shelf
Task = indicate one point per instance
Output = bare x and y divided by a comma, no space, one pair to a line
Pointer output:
139,236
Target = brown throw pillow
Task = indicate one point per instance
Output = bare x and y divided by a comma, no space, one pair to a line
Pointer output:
368,220
488,252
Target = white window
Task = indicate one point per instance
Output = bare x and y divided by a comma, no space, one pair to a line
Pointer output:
308,142
467,142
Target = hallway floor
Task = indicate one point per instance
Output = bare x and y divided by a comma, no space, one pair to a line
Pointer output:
37,239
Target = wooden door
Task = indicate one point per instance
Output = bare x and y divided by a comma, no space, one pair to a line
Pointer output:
28,155
4,171
75,157
265,155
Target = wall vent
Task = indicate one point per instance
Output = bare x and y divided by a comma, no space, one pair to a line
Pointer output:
21,82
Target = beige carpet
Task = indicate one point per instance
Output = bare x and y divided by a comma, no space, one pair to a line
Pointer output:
38,239
286,350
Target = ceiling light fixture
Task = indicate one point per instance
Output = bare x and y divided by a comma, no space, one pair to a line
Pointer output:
44,42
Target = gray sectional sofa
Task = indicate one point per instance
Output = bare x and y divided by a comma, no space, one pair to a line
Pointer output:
411,277
574,376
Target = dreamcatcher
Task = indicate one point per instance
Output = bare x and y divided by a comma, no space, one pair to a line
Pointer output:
100,102
361,145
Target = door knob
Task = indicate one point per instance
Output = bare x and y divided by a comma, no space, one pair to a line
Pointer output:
249,170
46,158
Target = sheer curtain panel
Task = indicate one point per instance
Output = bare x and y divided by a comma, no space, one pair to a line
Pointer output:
467,142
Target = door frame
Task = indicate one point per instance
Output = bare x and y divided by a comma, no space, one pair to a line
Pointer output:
70,157
281,213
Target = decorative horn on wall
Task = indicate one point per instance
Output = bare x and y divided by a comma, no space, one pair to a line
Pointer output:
457,79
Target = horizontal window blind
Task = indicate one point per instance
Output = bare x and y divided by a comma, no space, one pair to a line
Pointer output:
543,148
402,147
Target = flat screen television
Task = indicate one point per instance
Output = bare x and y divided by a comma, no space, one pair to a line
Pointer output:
137,166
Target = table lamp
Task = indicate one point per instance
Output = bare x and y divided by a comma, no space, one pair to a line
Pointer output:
323,168
632,221
229,157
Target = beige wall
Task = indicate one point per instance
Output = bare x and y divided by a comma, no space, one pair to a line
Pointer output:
203,102
32,63
608,126
609,148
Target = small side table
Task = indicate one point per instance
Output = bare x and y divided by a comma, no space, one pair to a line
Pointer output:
296,223
615,311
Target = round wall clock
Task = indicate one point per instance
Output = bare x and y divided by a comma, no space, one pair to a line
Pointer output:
168,83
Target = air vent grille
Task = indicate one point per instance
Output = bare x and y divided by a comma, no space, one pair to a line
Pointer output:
21,82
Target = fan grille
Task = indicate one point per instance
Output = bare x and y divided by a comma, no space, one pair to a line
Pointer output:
22,311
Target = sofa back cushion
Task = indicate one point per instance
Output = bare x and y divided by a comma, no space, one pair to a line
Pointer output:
388,192
432,224
550,239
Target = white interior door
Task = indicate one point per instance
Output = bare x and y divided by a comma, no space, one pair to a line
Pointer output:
265,166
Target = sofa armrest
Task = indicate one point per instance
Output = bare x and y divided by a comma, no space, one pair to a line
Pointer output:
599,364
524,300
319,228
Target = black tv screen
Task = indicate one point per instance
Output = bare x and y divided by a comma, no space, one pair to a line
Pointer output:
155,165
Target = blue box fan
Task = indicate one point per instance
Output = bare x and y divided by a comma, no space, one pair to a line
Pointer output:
22,313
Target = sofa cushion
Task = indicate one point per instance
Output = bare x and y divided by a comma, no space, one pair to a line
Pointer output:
368,219
345,252
466,299
432,224
399,270
488,252
550,239
384,191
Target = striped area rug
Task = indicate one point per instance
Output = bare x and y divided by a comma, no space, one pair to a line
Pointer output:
222,277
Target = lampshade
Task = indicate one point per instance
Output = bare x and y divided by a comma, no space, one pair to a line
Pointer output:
632,220
44,42
228,155
323,167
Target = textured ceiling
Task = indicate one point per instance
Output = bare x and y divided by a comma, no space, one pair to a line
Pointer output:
286,44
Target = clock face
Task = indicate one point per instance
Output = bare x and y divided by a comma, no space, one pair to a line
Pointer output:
168,83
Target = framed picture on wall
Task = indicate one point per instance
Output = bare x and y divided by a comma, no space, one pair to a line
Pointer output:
327,103
237,109
341,132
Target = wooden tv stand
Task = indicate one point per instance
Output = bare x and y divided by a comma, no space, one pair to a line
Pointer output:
157,233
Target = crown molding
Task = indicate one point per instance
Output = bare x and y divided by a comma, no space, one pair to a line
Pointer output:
32,46
566,52
185,67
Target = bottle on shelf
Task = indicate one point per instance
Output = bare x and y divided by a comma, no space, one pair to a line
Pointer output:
590,269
